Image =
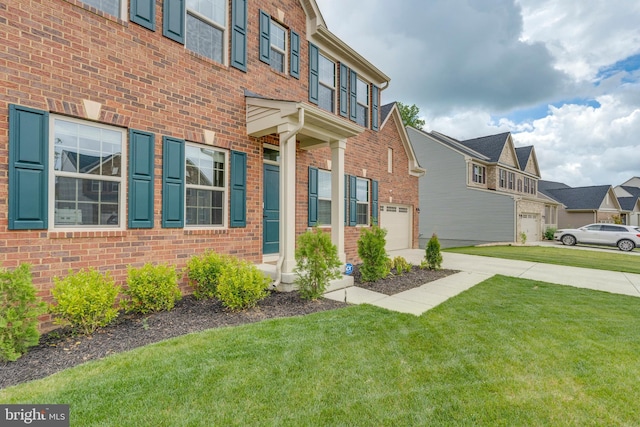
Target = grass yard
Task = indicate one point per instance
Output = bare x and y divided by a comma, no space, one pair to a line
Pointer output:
613,261
507,352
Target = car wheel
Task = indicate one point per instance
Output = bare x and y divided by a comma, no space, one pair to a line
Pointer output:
568,240
626,245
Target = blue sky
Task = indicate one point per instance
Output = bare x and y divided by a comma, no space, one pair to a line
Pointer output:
561,75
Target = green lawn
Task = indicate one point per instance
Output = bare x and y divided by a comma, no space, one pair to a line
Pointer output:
506,352
613,261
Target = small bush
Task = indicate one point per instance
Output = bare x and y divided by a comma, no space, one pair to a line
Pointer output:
401,265
19,311
85,299
203,272
151,288
317,263
549,232
241,285
523,238
372,253
433,257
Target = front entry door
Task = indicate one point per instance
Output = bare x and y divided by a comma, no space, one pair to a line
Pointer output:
271,214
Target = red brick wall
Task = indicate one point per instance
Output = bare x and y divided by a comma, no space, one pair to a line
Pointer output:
56,53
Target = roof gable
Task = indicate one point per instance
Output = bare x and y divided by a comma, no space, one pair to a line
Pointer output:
393,112
528,160
490,146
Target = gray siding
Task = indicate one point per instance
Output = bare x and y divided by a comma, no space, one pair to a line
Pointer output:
460,216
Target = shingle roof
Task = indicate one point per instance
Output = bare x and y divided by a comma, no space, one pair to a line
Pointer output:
457,145
627,203
550,185
491,145
385,110
579,198
634,191
523,154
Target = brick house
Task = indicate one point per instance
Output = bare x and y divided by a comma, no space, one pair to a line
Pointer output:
138,131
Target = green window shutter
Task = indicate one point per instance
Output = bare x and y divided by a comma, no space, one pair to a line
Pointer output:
344,90
265,37
313,196
143,12
239,34
314,73
173,182
141,173
173,20
294,66
346,201
28,162
375,102
353,202
238,189
353,95
374,201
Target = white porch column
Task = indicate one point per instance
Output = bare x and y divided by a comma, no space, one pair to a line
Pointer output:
287,202
337,196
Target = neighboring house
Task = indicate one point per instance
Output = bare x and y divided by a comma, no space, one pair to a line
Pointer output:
583,205
480,190
141,131
628,194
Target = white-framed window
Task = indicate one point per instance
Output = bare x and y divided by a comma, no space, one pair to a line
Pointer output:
479,174
87,174
526,185
362,109
206,28
327,86
390,160
362,201
205,186
324,197
519,185
512,181
278,54
112,7
503,178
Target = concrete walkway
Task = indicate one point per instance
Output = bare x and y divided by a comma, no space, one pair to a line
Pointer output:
475,269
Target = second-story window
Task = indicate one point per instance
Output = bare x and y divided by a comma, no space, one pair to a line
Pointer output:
478,174
111,7
327,86
512,181
362,114
526,185
278,39
206,24
503,178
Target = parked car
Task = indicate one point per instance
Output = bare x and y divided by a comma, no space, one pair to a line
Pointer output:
625,237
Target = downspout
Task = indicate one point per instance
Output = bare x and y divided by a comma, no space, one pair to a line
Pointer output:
286,136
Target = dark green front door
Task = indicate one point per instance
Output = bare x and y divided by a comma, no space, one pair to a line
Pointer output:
271,214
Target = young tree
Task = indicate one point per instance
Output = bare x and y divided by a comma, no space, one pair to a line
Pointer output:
410,115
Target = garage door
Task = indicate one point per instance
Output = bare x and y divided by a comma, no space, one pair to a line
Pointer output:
396,219
529,225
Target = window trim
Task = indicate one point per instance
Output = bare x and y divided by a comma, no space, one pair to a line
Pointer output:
321,83
122,180
122,9
367,106
225,189
478,174
224,28
327,172
367,203
502,177
272,47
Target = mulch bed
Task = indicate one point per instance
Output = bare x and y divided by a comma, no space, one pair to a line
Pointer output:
62,349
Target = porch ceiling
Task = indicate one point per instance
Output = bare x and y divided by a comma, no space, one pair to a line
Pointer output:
271,116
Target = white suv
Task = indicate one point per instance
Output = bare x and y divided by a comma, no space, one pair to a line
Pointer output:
625,237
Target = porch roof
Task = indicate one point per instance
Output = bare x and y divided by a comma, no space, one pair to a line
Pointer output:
267,116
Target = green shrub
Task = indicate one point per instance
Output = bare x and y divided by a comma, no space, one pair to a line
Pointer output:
151,288
19,311
85,299
401,265
241,285
372,253
433,257
549,232
203,272
317,263
523,238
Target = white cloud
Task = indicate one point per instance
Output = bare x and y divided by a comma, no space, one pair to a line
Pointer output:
467,65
